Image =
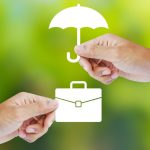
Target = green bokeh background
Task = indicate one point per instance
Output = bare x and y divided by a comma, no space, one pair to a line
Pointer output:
33,59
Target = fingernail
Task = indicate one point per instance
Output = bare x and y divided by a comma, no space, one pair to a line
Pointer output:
30,130
103,72
52,101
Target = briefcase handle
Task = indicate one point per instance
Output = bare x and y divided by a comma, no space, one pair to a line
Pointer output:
78,82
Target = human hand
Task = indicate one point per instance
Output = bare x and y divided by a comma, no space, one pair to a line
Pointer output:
26,115
109,56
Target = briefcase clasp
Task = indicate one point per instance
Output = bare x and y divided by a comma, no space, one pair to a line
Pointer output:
78,103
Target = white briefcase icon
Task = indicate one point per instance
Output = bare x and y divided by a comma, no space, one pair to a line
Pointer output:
79,104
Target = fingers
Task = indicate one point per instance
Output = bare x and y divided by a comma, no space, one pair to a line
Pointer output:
103,74
100,48
49,119
99,70
35,105
37,126
35,131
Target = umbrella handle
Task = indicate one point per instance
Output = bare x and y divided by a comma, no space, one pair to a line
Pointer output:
72,60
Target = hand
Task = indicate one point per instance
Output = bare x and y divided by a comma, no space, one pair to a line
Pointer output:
108,57
26,115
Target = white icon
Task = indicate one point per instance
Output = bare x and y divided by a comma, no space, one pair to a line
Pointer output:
79,104
78,17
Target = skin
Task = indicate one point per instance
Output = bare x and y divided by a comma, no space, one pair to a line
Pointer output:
108,57
105,59
26,115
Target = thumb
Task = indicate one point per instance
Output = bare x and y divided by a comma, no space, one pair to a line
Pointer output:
92,49
40,105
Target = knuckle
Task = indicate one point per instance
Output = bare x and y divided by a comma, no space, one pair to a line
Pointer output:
45,130
30,140
109,36
102,80
105,80
22,93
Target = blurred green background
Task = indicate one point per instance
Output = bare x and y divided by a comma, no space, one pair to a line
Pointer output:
33,59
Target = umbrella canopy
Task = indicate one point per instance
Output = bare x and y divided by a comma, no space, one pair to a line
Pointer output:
78,17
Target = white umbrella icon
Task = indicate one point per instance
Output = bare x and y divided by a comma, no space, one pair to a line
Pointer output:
78,17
